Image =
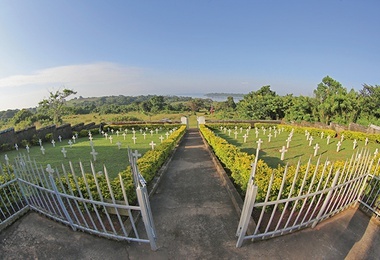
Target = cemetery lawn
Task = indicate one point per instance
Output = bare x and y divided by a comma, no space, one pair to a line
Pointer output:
299,148
109,154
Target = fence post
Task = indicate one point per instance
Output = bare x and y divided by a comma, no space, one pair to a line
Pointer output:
61,202
147,216
246,214
327,199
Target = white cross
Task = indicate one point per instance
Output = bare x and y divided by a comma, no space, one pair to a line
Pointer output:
117,133
342,137
49,169
134,139
141,130
241,129
161,138
283,151
126,130
133,131
366,141
151,132
27,148
229,132
316,147
63,151
288,142
53,143
124,134
338,146
307,135
322,135
40,141
89,134
16,146
118,144
245,138
112,131
224,130
264,130
354,144
60,138
42,150
94,154
247,130
74,138
144,134
6,159
70,143
270,129
221,128
110,138
156,130
257,133
259,142
328,139
90,138
310,140
106,136
235,133
275,133
136,154
167,135
269,137
152,144
376,152
236,127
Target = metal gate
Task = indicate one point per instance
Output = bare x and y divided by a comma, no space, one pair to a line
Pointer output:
319,197
91,202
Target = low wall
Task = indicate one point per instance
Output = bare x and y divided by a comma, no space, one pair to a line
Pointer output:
10,137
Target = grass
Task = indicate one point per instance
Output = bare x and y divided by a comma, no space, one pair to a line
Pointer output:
299,148
109,154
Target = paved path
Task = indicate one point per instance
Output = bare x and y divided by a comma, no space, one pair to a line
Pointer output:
195,219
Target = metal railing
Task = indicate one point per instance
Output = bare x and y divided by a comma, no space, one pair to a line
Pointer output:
84,201
319,195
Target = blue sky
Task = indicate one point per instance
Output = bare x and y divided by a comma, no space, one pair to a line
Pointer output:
180,47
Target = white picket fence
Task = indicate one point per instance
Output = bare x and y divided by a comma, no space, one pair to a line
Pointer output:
77,200
324,196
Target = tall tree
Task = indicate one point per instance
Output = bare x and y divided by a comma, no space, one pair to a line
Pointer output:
54,105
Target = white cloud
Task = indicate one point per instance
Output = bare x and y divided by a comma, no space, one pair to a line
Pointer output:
87,79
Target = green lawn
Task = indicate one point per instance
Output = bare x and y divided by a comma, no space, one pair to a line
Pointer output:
109,154
299,148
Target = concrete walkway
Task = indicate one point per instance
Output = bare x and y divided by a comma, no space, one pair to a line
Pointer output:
195,219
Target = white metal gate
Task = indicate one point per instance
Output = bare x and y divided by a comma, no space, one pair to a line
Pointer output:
326,195
84,201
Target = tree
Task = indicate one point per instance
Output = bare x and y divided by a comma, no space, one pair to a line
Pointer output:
329,95
54,105
262,104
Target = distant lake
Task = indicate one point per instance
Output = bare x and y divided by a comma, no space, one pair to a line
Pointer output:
219,98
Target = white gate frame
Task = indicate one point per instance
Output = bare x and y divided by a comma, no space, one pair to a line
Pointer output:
317,203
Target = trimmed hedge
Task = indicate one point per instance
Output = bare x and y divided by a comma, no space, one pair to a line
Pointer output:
359,136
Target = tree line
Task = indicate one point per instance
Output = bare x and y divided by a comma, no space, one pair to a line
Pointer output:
331,102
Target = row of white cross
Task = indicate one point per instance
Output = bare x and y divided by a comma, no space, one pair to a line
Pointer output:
93,151
283,150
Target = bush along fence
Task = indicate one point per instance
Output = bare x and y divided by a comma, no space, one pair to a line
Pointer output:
285,199
86,200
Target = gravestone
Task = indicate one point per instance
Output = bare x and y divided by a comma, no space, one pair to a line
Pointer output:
42,150
316,148
16,146
152,144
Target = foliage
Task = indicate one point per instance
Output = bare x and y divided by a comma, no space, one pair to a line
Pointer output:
54,105
359,136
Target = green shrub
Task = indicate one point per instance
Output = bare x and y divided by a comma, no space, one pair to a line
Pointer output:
359,136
